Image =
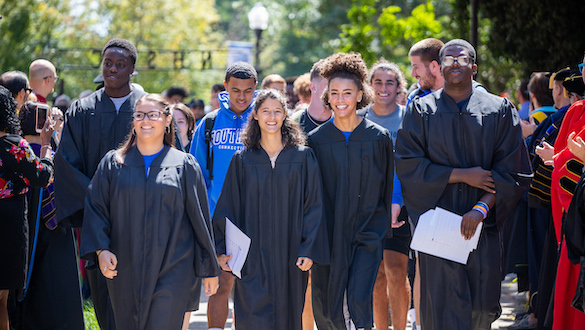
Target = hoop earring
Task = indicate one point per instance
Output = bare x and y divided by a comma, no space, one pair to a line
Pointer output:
168,129
133,131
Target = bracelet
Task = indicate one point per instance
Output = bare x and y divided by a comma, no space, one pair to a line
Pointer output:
484,204
47,146
98,254
482,208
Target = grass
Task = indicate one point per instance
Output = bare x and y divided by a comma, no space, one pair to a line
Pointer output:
89,316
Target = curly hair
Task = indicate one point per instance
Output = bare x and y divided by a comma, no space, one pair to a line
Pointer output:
347,66
130,140
292,135
9,122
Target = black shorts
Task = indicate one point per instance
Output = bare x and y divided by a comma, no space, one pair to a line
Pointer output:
401,236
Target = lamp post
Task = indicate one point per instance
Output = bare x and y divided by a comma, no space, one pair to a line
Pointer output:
258,20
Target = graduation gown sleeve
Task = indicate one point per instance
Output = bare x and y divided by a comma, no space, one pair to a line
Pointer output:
96,233
413,166
314,243
197,209
511,169
230,203
70,162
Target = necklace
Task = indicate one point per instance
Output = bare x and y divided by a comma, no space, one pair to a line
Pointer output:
314,122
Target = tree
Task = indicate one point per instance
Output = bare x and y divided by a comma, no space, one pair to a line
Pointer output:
376,30
540,35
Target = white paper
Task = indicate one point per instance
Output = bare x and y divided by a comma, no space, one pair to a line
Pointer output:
237,244
438,233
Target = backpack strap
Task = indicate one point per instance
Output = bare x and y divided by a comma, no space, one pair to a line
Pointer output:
209,122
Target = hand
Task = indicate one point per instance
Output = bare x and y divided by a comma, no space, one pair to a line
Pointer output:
395,213
108,263
546,153
47,132
527,127
304,263
479,178
223,262
57,116
210,285
469,223
576,146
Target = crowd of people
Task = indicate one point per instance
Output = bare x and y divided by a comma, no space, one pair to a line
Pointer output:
328,175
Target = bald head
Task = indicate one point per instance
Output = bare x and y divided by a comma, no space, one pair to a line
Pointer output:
43,76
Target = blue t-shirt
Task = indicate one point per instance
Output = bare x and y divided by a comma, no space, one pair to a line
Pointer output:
148,160
346,134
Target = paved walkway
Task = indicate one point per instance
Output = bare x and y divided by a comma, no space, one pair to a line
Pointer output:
510,300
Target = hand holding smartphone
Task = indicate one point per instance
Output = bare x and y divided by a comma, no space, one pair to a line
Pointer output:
42,114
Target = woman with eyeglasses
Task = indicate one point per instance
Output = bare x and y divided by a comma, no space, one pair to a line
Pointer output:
147,226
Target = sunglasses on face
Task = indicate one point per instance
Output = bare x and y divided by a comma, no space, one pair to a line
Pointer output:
462,60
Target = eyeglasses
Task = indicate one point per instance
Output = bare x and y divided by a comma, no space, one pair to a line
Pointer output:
54,77
28,90
461,60
580,66
152,115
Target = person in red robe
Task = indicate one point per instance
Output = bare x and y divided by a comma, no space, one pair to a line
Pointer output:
566,173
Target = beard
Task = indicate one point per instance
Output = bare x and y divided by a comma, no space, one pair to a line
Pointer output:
427,82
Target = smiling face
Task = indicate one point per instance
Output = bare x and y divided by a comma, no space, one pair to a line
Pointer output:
457,74
270,116
344,97
422,72
151,130
385,87
240,92
117,68
181,121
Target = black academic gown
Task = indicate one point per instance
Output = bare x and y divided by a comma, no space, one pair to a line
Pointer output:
280,209
159,229
92,128
357,185
437,136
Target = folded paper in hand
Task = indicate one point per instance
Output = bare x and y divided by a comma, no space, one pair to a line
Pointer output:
438,233
237,244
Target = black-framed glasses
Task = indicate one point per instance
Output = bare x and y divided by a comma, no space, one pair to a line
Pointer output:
152,115
28,90
580,66
462,60
51,76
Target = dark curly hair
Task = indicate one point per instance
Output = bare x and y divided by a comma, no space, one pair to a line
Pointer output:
347,66
292,135
9,122
27,116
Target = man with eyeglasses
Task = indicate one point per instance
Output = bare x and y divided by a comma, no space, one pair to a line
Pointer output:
43,77
93,126
17,83
462,149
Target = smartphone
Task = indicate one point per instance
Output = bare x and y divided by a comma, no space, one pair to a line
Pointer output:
42,113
